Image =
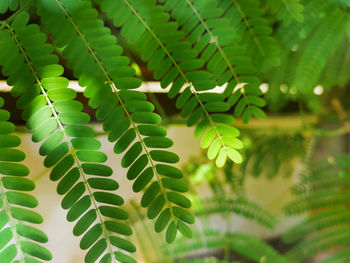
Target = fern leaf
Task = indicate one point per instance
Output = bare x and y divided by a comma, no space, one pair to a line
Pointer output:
338,237
240,206
172,59
226,60
45,99
19,239
320,46
244,244
254,30
128,118
287,10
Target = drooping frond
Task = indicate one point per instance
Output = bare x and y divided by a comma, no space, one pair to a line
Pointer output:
220,50
239,206
246,17
243,244
287,10
128,118
69,147
18,237
319,48
162,45
324,193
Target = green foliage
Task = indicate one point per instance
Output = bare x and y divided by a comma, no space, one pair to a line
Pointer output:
191,47
18,238
324,193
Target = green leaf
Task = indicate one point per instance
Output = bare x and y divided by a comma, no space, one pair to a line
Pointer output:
62,167
57,154
6,127
79,131
234,155
169,171
7,140
26,215
113,212
18,183
91,236
21,199
151,130
183,215
124,141
150,194
136,168
85,143
103,184
15,169
108,198
164,156
221,159
174,184
91,156
74,117
97,169
184,229
208,138
179,199
158,142
118,228
8,254
11,155
96,251
5,237
122,244
130,156
162,221
73,195
146,117
51,142
143,179
78,208
31,233
84,222
68,181
155,207
171,232
123,257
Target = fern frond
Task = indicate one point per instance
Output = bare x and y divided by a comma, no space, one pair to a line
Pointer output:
240,243
317,222
321,199
172,59
69,145
239,206
18,239
244,244
318,50
334,73
226,60
254,30
287,10
127,116
308,248
324,192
